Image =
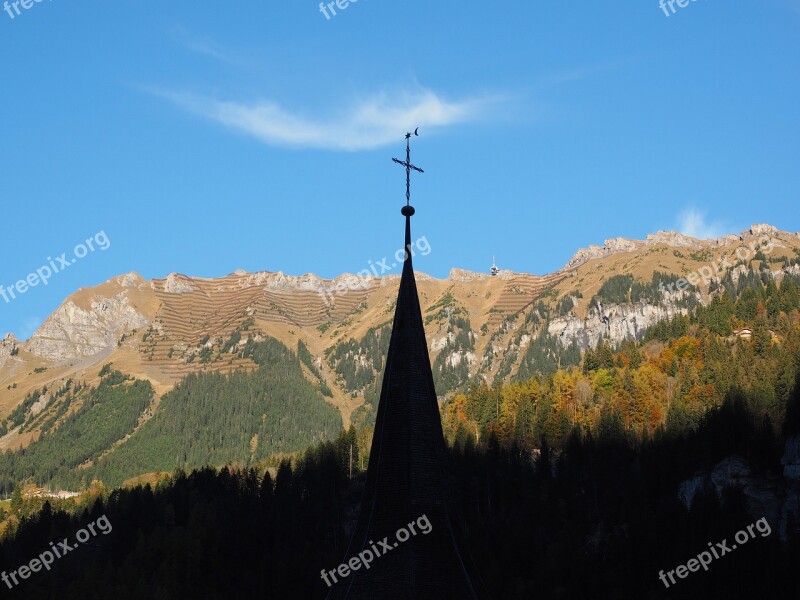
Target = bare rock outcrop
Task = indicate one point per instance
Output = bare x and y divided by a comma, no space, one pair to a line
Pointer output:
177,284
766,496
616,322
73,333
8,346
594,251
791,458
673,239
464,276
763,229
131,280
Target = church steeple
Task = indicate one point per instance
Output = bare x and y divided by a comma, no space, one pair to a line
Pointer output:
407,478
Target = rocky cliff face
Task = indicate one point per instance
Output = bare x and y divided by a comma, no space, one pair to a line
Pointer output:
74,333
615,322
671,239
772,497
666,251
8,345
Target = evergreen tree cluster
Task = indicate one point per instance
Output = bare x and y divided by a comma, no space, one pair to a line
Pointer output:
451,366
105,415
623,289
207,419
358,363
598,519
683,369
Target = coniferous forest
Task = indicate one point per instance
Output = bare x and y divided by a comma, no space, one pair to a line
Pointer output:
276,410
582,482
597,520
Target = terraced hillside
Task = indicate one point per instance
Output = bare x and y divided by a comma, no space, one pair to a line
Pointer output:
478,325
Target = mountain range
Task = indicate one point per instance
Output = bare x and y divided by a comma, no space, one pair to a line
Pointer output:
494,327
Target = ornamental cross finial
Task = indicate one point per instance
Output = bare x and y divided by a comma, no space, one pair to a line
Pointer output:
407,164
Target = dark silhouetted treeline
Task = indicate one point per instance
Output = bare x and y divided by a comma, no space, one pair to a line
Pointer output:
596,520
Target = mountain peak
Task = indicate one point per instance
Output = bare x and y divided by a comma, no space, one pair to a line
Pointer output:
7,346
672,239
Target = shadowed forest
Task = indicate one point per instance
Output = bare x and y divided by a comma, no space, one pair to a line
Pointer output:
577,483
597,521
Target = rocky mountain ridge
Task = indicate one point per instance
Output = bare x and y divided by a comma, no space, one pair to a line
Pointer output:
478,325
668,238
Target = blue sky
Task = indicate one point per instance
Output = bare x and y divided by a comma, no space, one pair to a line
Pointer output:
204,137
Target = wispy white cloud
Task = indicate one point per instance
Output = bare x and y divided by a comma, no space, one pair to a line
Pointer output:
694,223
364,124
204,46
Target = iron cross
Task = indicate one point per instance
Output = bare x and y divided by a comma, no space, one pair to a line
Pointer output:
407,164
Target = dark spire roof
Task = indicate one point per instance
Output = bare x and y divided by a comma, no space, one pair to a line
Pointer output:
407,479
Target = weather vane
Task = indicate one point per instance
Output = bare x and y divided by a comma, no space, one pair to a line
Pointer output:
407,164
